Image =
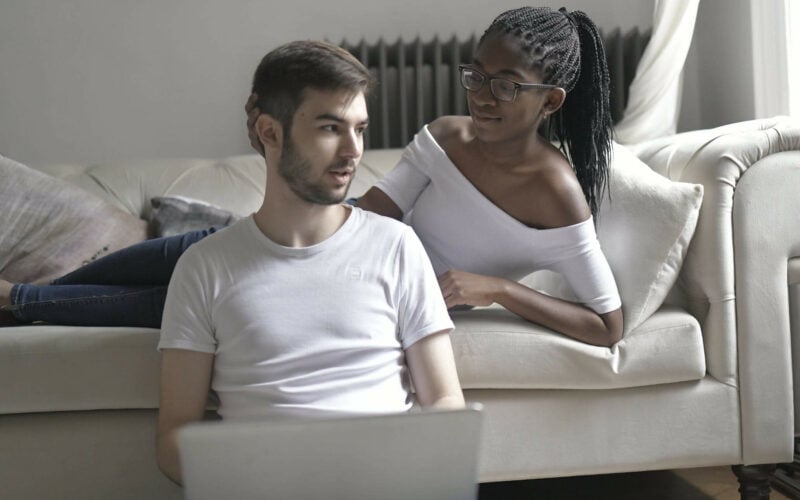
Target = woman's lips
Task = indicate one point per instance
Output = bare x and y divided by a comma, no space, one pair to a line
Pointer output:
484,117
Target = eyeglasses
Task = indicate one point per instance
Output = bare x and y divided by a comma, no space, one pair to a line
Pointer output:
502,88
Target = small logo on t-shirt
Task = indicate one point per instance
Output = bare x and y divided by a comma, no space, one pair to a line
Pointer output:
354,273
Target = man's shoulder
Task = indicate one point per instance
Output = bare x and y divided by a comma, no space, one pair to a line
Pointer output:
389,235
382,224
220,243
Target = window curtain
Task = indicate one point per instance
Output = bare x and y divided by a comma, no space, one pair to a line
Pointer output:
655,93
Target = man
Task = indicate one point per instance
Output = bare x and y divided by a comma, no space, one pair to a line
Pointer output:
309,306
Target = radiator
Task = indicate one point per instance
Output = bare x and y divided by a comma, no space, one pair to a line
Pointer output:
418,80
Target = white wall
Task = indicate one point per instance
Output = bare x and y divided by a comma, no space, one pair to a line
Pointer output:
96,80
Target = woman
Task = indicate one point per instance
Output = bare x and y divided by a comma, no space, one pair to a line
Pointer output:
493,174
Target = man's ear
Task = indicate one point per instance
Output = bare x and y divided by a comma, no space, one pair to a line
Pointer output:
270,132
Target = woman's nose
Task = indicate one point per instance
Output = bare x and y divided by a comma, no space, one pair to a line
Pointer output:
483,95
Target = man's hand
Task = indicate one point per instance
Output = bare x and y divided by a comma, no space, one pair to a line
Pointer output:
461,288
253,112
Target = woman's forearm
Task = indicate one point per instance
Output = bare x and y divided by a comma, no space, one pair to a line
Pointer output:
571,319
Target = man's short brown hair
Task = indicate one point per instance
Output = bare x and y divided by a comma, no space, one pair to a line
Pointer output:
287,71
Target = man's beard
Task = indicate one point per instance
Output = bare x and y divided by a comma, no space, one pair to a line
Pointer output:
296,169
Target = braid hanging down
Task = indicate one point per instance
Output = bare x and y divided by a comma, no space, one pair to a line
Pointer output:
567,50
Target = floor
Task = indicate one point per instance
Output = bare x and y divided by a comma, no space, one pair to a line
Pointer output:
710,483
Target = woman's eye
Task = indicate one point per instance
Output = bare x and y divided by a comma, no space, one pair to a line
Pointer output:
505,85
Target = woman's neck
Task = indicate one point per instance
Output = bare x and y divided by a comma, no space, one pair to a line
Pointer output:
516,152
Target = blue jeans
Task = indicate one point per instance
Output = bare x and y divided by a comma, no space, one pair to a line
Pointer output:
125,288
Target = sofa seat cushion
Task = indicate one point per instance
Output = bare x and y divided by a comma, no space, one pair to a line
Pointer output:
61,368
496,349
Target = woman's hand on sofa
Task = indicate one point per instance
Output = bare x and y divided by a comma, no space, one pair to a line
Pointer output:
460,288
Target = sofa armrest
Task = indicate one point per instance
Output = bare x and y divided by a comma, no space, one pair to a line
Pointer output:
734,275
766,221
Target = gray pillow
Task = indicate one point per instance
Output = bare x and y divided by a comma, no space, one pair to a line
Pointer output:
173,215
49,227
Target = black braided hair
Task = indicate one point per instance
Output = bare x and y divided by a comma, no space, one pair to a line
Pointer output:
566,49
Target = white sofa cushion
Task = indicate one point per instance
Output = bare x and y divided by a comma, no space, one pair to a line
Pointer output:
645,229
63,368
496,349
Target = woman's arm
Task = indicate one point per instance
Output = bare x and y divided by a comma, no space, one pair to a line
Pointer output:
569,318
379,202
185,381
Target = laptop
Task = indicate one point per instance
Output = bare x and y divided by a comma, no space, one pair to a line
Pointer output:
416,455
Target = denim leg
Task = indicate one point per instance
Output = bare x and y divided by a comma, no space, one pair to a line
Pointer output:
125,288
89,305
150,262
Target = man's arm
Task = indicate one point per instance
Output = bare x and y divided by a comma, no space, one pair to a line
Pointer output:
433,372
185,381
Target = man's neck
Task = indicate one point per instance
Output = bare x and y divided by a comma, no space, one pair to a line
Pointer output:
291,222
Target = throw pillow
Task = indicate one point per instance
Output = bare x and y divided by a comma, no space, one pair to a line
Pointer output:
49,227
173,215
644,230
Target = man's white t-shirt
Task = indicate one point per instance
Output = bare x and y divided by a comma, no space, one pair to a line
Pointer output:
306,330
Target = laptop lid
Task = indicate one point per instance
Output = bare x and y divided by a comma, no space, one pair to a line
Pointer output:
431,454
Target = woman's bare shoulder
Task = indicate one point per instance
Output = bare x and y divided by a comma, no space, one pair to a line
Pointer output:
449,129
560,187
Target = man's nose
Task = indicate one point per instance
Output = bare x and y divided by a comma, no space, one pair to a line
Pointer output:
352,145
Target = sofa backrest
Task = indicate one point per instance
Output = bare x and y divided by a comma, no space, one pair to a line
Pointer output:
235,183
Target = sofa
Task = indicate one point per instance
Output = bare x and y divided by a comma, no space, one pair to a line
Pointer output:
702,377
